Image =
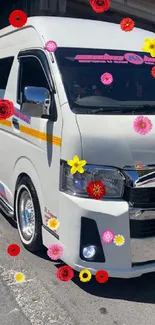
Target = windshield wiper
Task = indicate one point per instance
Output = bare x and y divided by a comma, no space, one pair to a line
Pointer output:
147,106
91,110
144,109
106,110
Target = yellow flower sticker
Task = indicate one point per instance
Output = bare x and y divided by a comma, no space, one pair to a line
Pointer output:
53,223
119,240
19,277
85,275
77,165
149,46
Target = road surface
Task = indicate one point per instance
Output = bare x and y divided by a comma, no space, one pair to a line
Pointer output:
43,300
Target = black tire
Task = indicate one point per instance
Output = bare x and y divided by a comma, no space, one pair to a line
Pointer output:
33,244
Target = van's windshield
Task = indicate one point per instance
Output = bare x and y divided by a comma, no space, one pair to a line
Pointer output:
127,87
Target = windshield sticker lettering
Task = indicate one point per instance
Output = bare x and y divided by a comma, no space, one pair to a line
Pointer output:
132,58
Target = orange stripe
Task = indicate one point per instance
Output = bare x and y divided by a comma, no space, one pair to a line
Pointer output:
40,135
35,133
6,123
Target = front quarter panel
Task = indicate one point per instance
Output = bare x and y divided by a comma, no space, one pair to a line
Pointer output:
24,165
71,138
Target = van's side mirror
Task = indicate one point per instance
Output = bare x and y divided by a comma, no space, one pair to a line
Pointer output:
36,102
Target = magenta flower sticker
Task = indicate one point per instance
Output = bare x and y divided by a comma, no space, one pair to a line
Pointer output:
55,251
51,46
107,78
108,236
142,125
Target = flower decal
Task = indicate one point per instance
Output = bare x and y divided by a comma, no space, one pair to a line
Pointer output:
65,273
102,276
6,109
55,252
153,72
19,277
96,189
100,6
13,250
142,125
119,240
149,46
107,78
127,24
17,18
51,46
53,223
85,276
107,236
77,165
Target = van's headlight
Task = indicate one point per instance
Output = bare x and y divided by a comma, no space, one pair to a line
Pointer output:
76,184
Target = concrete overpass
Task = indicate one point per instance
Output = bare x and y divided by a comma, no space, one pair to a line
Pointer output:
142,11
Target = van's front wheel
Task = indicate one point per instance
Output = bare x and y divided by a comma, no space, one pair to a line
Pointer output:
28,215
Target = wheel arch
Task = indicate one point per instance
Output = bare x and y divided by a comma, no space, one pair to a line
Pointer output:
24,167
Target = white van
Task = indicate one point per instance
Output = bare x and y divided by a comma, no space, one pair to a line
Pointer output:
62,109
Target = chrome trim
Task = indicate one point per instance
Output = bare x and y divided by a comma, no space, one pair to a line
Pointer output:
143,250
140,178
6,208
141,214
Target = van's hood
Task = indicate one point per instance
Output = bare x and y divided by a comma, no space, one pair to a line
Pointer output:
112,140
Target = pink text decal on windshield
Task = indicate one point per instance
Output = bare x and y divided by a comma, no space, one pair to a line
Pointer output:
106,58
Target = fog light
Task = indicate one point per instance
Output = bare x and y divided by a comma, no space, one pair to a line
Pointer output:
89,251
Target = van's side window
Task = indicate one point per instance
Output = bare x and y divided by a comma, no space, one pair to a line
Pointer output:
32,74
5,68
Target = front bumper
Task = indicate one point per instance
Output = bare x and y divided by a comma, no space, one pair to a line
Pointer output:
113,215
134,258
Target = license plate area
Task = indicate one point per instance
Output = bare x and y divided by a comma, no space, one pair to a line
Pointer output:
142,234
142,223
143,250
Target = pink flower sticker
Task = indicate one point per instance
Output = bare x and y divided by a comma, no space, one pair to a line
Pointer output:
108,236
107,78
142,125
55,252
51,46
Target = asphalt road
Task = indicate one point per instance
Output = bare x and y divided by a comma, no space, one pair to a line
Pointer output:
44,300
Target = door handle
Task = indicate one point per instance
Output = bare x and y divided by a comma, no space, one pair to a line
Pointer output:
15,123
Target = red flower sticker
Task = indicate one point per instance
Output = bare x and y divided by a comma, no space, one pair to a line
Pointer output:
100,6
65,273
153,72
13,250
17,18
102,276
96,189
6,109
127,24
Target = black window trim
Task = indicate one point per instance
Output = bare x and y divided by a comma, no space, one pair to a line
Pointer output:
12,57
41,57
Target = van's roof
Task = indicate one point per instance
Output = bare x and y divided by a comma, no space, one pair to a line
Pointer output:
74,32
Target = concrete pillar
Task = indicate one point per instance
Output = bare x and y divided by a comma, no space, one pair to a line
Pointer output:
54,6
140,8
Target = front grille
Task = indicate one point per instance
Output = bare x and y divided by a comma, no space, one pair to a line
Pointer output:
142,228
140,197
